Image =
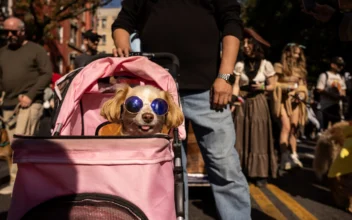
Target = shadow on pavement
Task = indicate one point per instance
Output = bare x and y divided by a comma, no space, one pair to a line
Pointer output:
201,198
202,203
303,183
257,214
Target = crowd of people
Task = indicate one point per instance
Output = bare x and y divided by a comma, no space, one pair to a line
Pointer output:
280,94
209,82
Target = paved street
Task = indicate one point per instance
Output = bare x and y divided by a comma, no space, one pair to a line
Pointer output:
295,195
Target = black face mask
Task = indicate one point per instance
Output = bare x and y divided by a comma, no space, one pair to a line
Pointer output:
14,45
14,41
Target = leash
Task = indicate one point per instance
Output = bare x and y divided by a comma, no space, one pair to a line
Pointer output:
235,99
13,116
4,144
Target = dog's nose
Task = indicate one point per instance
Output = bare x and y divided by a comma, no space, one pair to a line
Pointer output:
148,117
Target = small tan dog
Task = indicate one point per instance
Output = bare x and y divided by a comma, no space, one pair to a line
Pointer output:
328,148
141,110
5,148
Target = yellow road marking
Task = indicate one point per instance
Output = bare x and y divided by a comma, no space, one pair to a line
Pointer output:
265,204
290,203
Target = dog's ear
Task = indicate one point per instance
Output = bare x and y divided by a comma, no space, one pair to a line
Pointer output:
175,116
111,109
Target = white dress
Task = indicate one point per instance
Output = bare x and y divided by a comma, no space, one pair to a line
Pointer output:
265,71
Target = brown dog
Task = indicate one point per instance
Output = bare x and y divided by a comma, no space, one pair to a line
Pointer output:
328,148
5,147
141,110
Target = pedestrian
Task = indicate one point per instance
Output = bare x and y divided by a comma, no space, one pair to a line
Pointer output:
254,137
332,89
348,102
91,41
191,30
26,71
313,121
290,90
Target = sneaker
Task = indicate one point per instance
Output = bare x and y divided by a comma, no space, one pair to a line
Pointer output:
286,162
261,182
296,160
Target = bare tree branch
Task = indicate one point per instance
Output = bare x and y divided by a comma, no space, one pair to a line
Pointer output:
64,8
79,12
46,15
33,12
105,3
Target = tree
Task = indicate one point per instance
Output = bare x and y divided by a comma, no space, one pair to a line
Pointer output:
43,16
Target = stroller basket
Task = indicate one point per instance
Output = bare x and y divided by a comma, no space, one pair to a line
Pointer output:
134,169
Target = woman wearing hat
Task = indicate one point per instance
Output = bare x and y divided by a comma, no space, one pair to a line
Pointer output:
289,97
254,139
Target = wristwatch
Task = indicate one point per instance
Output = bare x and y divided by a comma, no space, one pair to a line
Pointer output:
229,77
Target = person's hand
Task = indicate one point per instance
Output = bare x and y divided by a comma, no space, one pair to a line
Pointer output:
221,94
300,97
321,13
25,101
234,99
52,103
123,51
2,98
258,86
122,43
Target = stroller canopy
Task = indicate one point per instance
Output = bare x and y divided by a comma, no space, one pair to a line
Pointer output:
86,81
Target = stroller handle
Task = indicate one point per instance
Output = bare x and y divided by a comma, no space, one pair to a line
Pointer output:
167,60
161,55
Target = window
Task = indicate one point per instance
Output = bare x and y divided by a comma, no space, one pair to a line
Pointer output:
103,39
60,64
71,58
103,23
73,35
60,34
95,21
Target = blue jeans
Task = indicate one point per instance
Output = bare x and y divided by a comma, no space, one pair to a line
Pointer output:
215,134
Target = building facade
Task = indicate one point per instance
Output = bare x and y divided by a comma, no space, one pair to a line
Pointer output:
105,17
69,41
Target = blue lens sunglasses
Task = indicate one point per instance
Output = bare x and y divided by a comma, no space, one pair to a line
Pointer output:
134,104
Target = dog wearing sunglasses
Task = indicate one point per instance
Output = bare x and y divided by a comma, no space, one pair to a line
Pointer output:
141,110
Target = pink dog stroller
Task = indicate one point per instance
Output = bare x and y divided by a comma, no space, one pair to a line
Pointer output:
75,174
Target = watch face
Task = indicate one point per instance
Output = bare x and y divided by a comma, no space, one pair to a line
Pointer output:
232,79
